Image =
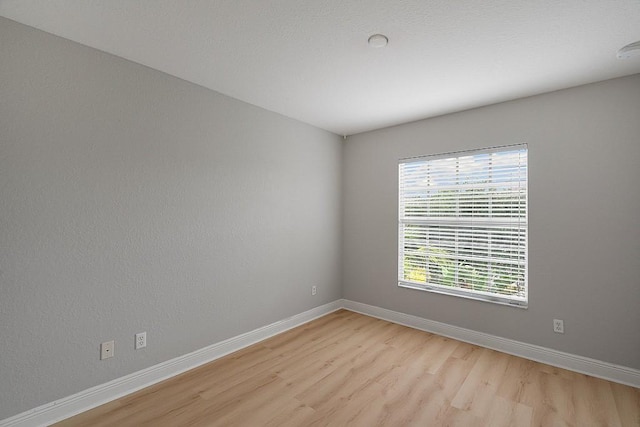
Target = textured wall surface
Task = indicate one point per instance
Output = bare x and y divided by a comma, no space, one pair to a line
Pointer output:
134,201
584,218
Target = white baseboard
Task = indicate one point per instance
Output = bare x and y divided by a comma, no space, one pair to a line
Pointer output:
572,362
103,393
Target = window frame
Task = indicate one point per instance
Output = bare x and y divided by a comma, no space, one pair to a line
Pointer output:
459,224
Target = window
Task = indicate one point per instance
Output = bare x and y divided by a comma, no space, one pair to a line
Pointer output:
462,224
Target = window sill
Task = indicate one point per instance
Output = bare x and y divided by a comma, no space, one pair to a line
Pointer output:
467,295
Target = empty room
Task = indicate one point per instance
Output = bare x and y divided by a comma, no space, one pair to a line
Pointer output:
319,213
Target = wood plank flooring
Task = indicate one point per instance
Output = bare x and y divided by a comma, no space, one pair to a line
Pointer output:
346,369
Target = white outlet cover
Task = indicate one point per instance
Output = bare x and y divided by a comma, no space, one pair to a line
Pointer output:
558,326
141,340
107,349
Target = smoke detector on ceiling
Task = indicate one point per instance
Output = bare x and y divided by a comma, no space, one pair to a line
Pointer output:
378,40
632,49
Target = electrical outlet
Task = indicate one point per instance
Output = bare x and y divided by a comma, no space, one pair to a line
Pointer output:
106,350
141,340
314,290
558,326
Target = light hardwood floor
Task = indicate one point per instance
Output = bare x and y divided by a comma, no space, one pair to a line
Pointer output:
346,369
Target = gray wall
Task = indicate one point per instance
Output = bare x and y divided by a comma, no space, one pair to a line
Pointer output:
134,201
584,217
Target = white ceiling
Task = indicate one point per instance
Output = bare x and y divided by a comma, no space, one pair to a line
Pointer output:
309,59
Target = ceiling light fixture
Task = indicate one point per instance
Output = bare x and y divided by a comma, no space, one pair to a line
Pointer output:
378,40
632,49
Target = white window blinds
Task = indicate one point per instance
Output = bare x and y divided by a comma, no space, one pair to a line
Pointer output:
463,224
